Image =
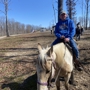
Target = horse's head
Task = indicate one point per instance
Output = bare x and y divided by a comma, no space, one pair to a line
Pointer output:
45,68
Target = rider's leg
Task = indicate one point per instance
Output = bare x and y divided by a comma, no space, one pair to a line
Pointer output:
76,52
56,41
74,48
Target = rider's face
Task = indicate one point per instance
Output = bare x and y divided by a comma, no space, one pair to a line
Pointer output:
63,16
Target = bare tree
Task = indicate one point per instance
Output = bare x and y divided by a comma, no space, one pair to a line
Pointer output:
60,7
6,3
81,4
87,2
89,23
82,13
28,28
54,11
2,26
71,8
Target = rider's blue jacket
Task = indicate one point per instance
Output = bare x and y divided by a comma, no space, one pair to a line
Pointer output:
65,28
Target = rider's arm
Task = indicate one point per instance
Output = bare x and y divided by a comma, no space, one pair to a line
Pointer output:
72,30
56,32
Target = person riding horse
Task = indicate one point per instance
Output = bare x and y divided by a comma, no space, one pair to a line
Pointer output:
65,31
78,31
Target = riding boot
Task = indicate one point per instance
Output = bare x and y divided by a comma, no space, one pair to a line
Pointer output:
77,65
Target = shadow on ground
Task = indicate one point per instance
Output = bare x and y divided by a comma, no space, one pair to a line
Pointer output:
29,84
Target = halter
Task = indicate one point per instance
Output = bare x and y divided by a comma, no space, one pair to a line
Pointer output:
44,84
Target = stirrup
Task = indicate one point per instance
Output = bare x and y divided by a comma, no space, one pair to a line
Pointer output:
78,67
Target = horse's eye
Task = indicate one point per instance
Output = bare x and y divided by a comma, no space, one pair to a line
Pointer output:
47,71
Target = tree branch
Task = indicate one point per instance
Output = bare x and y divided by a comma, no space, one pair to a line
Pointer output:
2,11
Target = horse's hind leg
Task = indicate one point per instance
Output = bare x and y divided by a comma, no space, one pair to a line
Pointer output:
67,80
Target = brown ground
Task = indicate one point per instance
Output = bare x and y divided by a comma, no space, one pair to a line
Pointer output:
17,61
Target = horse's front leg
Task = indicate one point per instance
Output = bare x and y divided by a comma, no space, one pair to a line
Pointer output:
67,78
58,84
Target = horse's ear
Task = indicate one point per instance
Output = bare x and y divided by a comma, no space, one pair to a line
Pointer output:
50,51
39,47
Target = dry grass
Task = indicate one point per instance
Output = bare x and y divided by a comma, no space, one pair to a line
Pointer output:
17,61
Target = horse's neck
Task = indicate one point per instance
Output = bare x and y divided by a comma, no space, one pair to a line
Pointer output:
59,50
63,55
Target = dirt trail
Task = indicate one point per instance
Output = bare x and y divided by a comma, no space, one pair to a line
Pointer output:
18,55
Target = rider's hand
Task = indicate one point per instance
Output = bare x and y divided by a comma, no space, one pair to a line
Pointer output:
62,37
66,39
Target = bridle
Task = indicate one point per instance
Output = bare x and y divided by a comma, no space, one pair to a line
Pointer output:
43,84
47,83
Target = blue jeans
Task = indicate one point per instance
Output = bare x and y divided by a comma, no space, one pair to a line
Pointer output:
72,43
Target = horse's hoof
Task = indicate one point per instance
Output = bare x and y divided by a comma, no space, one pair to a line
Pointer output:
72,83
79,69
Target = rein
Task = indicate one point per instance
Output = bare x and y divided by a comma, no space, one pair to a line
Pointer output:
57,75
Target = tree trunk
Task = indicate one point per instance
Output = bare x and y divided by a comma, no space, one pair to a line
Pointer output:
7,33
6,10
60,7
86,15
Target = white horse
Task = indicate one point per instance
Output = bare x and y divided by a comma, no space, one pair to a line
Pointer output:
53,62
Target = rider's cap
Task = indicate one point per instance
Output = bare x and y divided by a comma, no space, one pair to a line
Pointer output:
62,12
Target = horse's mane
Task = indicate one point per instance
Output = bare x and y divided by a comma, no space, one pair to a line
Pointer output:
42,56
